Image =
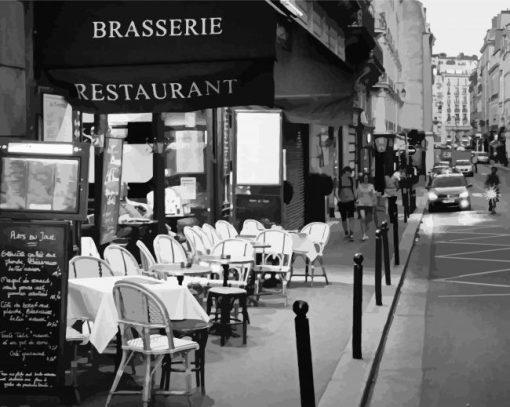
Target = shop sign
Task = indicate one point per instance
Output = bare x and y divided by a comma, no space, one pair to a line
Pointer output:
138,56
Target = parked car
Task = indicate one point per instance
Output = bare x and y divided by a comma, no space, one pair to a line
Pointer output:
482,157
449,190
465,167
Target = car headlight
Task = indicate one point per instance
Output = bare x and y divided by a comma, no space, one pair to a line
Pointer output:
464,194
432,196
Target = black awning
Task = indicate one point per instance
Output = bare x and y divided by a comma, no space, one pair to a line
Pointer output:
134,56
311,84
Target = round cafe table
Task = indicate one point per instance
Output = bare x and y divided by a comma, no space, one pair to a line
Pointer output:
176,270
226,262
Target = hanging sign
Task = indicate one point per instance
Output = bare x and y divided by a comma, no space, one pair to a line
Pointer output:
134,56
110,197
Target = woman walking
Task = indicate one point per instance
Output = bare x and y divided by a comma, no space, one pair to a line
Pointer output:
366,204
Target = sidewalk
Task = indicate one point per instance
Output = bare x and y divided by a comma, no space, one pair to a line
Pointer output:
351,378
264,372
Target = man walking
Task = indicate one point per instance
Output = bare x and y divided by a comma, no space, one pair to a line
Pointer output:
346,197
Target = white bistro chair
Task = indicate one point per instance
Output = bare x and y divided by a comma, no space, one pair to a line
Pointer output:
120,259
276,260
225,230
318,233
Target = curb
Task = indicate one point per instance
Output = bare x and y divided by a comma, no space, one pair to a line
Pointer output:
352,380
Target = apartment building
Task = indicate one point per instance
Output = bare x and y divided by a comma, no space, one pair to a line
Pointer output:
451,106
490,86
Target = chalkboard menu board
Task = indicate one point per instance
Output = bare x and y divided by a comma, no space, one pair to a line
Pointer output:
112,172
33,294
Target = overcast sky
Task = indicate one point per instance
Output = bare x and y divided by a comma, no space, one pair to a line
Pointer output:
460,25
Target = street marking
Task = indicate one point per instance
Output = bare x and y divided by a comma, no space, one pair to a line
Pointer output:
474,233
473,252
480,273
472,243
473,295
479,237
477,284
469,258
477,194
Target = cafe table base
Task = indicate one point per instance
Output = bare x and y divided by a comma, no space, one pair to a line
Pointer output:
224,299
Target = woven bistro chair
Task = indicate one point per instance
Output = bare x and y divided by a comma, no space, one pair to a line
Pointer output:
140,310
252,227
90,267
120,259
319,233
225,230
234,248
168,250
88,247
211,233
275,260
146,256
195,243
204,236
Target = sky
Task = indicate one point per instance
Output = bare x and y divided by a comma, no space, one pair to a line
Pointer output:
460,25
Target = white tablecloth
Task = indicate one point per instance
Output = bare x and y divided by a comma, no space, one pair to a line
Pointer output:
302,243
92,298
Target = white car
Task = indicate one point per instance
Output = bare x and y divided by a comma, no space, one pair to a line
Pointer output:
482,157
465,167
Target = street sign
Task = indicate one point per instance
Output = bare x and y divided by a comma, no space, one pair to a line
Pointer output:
411,150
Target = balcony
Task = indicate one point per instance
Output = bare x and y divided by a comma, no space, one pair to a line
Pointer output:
360,36
344,12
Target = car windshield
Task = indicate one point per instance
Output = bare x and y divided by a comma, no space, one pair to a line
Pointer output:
463,162
445,182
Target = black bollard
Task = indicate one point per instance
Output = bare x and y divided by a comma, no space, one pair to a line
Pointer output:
386,252
357,305
378,267
304,354
395,243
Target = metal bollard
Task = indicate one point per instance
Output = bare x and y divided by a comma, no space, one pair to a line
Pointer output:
386,250
304,354
378,267
357,306
395,243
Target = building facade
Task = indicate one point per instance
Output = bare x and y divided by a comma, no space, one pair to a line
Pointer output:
451,103
490,87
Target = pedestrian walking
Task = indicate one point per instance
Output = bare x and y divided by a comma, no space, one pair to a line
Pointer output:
366,203
474,160
391,194
345,195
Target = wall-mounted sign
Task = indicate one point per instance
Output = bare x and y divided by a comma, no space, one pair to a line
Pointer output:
57,118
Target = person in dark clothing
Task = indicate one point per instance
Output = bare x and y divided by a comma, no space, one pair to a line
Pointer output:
492,183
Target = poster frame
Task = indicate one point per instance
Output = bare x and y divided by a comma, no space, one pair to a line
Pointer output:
61,97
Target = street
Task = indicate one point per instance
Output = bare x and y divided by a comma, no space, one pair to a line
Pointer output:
459,355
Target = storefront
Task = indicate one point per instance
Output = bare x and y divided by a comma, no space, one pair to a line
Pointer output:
162,72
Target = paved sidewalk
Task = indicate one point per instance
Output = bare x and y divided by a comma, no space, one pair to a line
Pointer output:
265,372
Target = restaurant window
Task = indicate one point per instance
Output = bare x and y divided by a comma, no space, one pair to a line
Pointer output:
185,138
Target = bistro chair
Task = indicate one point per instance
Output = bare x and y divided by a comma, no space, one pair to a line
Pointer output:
120,259
319,233
205,238
88,247
235,248
90,267
168,250
276,260
146,256
195,243
252,227
142,312
225,230
211,233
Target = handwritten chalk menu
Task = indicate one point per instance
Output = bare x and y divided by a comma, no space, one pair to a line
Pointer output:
112,171
33,295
